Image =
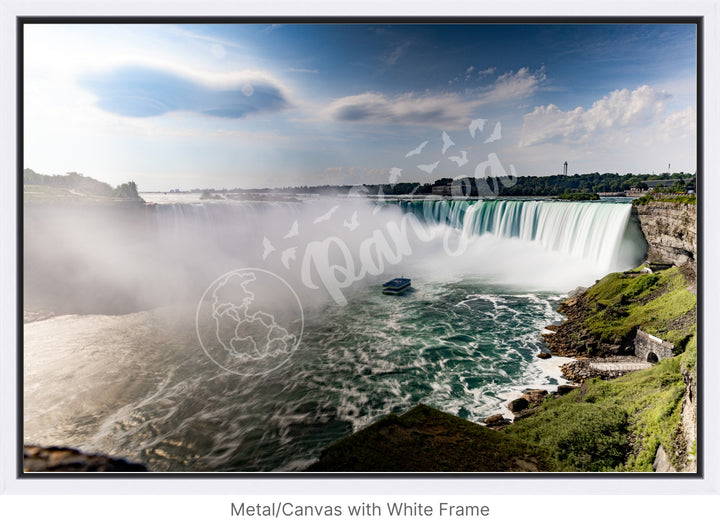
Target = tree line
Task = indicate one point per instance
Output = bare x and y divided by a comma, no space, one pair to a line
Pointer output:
81,183
551,185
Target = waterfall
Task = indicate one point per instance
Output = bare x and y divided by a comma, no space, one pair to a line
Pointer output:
601,233
589,231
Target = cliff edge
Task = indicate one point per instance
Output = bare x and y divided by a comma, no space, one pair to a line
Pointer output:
670,229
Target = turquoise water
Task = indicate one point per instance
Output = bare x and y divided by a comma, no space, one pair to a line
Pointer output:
137,385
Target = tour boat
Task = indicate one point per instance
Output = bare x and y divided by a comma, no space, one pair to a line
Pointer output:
396,286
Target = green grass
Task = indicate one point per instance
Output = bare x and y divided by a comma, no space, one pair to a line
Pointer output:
427,440
687,199
583,436
612,425
43,192
655,302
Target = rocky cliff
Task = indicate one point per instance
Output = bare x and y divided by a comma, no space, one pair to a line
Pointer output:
689,417
670,230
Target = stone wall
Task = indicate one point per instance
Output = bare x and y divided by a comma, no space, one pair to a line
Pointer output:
652,349
670,230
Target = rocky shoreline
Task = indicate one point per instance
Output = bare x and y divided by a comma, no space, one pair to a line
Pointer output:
556,337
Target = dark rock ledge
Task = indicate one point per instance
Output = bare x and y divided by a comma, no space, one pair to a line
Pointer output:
58,459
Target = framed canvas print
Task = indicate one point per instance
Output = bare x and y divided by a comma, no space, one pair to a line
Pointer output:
360,246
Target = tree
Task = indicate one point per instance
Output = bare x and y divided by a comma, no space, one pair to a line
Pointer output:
128,191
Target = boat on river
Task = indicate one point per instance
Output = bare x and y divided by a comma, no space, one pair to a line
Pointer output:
396,286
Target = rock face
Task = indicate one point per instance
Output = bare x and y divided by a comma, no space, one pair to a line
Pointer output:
518,405
670,230
662,461
528,403
689,414
496,422
571,339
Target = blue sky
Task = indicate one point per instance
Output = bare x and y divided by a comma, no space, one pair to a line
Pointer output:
245,105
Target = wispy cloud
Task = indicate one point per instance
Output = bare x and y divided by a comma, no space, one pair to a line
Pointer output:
144,91
185,33
619,110
397,51
514,85
447,110
303,70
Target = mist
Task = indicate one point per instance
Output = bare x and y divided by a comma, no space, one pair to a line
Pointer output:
116,258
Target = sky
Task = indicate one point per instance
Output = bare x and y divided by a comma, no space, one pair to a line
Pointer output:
271,105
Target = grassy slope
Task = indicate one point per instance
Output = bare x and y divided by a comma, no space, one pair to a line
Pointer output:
52,194
658,303
427,440
612,425
72,188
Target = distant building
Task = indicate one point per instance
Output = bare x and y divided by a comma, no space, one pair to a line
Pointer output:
636,192
665,183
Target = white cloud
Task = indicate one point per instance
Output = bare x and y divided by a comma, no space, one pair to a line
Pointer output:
514,85
618,113
679,125
440,110
626,131
487,71
447,110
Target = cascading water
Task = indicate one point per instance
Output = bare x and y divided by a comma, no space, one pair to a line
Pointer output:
139,385
591,231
